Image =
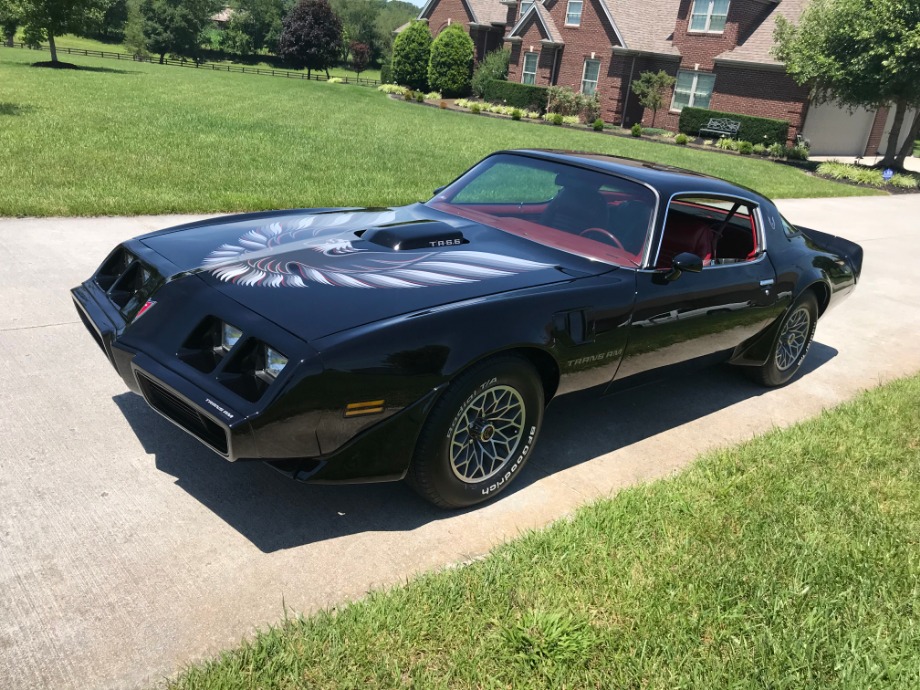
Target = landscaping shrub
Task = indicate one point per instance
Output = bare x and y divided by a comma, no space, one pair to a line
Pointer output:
556,118
419,97
433,96
759,150
636,130
776,150
335,80
564,101
799,152
516,114
727,144
411,53
392,88
745,148
523,96
904,181
475,108
681,139
450,67
409,95
598,125
760,129
493,66
443,105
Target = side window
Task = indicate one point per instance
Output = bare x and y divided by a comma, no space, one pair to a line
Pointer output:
788,228
719,230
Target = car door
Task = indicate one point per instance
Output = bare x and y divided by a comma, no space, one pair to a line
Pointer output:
681,316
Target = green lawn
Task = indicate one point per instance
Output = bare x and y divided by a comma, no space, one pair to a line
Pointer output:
131,138
789,562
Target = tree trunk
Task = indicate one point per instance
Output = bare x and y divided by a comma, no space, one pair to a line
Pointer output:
891,148
52,47
327,74
162,57
912,135
654,115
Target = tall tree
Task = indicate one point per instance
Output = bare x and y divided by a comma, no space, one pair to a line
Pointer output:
135,40
859,53
44,20
358,21
256,21
650,88
411,54
177,26
311,36
10,18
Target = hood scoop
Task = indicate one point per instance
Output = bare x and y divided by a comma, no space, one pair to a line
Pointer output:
401,237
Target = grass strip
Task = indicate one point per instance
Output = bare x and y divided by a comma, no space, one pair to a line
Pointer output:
790,561
134,138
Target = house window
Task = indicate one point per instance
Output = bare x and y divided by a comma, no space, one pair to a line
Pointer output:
709,15
529,75
525,5
573,13
693,89
589,77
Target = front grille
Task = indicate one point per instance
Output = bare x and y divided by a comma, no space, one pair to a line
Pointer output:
176,409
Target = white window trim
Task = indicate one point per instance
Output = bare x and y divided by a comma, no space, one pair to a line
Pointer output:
523,11
568,8
584,74
696,76
524,71
709,7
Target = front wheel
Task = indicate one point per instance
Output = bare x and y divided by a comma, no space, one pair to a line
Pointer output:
795,335
478,437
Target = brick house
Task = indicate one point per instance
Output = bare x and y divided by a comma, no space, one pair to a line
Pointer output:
718,50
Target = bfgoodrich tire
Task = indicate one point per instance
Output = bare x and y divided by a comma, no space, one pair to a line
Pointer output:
479,435
796,332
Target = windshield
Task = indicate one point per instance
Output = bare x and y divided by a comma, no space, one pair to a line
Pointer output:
584,212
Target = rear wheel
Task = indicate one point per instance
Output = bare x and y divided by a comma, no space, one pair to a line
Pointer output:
795,335
478,437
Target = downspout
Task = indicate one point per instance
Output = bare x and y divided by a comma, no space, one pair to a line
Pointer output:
552,74
628,87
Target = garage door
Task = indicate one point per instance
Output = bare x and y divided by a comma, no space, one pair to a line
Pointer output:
834,131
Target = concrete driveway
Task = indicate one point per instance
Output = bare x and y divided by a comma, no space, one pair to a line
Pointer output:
127,550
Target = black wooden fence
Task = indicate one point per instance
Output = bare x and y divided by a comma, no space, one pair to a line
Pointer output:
214,66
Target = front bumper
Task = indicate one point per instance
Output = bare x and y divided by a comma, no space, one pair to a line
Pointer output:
236,429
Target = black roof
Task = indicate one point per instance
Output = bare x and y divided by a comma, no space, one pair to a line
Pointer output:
666,179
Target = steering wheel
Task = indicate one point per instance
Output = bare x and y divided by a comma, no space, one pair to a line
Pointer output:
606,233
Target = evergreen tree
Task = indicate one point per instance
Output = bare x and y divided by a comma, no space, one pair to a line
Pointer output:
411,54
450,66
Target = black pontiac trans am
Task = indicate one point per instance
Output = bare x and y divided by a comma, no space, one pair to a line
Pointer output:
425,342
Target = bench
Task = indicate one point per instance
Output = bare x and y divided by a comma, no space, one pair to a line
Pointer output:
721,126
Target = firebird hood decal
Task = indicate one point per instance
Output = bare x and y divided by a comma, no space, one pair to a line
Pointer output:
324,249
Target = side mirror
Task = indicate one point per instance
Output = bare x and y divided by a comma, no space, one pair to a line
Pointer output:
685,261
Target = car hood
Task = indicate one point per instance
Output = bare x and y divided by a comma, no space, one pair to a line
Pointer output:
320,271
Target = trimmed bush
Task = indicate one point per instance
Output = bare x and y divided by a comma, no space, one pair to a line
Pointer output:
798,152
493,66
523,96
475,109
636,130
516,114
556,118
598,125
450,67
759,150
745,148
681,139
776,150
762,130
411,53
419,97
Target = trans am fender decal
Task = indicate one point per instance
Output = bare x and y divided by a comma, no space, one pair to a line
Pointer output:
321,249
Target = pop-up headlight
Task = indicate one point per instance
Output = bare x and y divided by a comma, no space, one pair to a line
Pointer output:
230,336
274,362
